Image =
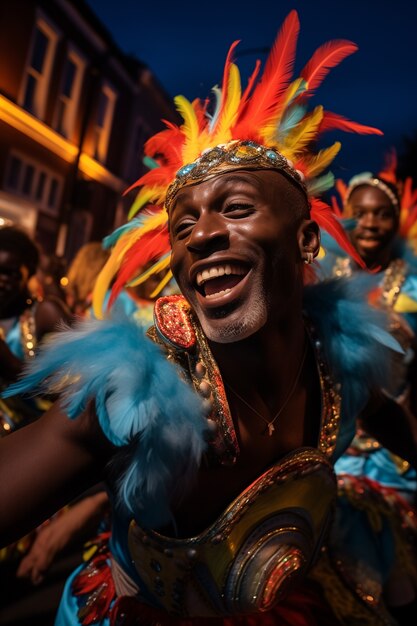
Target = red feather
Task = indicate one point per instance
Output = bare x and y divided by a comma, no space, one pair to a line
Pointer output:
388,173
158,177
226,72
249,86
200,108
336,208
153,245
325,57
409,206
167,143
268,94
333,121
326,219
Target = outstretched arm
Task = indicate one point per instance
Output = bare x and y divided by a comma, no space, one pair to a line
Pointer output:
79,521
394,426
45,465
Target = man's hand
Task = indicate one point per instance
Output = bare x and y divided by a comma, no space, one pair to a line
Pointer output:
78,521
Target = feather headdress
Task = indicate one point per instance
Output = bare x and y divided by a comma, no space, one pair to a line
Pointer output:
401,194
266,126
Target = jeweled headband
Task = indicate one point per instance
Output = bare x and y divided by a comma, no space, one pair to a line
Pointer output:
268,124
234,155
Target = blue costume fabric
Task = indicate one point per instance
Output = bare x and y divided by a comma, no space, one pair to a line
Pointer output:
141,399
21,340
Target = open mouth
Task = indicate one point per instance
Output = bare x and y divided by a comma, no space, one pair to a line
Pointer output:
369,240
219,280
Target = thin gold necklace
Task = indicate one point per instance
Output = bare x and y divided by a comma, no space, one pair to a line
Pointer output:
270,423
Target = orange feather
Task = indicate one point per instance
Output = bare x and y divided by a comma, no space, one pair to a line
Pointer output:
326,219
333,121
268,94
249,86
325,57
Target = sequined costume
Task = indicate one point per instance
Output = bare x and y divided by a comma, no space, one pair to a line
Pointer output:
251,564
263,544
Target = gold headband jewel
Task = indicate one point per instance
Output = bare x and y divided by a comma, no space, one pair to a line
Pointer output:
231,156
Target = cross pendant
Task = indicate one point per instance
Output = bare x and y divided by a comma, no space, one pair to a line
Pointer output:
271,429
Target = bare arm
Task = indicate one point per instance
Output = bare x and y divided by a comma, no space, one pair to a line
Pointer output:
393,426
45,465
10,365
80,520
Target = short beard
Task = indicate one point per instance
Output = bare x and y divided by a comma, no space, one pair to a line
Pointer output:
242,326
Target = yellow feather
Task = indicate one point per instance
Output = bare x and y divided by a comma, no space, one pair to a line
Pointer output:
115,260
129,239
304,132
162,284
104,280
227,117
190,150
412,236
405,304
269,131
157,267
317,163
145,195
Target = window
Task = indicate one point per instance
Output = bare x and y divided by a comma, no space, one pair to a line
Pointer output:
39,68
32,180
13,177
69,96
104,120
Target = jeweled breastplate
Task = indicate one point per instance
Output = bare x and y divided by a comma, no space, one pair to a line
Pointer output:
270,534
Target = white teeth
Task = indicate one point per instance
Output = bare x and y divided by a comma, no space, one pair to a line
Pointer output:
219,270
219,293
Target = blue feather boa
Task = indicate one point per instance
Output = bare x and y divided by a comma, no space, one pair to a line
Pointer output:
137,393
140,396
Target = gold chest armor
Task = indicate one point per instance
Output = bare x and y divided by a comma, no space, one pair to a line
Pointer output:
270,534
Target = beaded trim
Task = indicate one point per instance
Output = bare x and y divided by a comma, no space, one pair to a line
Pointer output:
28,333
391,284
204,373
394,277
231,156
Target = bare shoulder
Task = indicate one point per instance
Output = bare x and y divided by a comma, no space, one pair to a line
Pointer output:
49,314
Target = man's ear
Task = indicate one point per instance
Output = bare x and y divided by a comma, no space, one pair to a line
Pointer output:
308,237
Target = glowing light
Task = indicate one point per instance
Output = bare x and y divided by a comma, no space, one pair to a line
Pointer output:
64,281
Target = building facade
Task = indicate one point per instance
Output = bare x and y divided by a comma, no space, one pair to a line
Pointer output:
74,115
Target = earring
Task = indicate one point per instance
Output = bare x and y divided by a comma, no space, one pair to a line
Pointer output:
309,258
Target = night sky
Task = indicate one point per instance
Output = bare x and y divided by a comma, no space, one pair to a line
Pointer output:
185,45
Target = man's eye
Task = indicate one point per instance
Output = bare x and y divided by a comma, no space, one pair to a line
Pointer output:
238,209
183,228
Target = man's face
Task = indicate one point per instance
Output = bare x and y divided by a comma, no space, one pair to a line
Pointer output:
13,277
235,252
376,225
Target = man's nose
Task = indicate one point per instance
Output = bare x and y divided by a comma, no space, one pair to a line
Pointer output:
210,233
369,220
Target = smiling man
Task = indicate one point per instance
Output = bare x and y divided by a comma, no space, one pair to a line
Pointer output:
374,204
226,233
217,431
